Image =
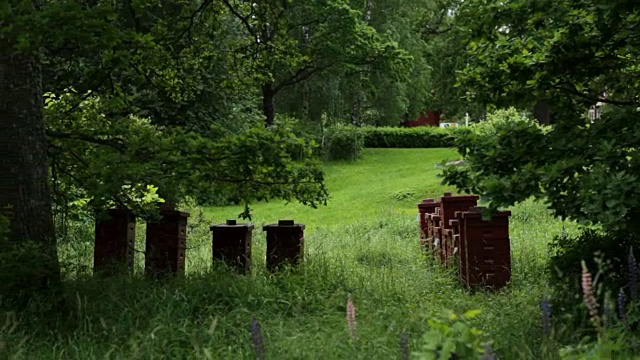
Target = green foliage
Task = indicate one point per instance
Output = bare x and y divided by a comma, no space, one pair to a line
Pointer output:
22,273
615,331
129,158
497,121
518,51
343,142
381,89
605,251
585,172
618,340
564,52
414,171
373,257
415,137
452,337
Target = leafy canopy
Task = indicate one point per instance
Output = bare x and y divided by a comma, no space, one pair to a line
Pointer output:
574,54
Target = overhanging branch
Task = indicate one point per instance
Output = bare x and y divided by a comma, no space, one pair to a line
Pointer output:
115,143
302,74
573,91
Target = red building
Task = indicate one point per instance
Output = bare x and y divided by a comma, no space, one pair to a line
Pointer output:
432,118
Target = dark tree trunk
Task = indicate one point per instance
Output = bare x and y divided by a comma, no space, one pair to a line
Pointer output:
30,255
543,112
268,103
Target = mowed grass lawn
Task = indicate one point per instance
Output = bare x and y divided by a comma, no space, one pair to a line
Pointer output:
364,243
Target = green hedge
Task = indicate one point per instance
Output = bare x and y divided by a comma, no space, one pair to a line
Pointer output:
343,142
416,137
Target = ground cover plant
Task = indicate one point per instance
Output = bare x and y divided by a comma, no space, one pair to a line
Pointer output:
362,246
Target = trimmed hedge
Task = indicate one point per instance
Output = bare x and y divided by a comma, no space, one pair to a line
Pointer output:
415,137
343,142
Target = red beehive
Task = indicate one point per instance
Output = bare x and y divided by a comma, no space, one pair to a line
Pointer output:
485,258
166,244
231,243
426,207
285,243
449,205
436,230
115,236
452,241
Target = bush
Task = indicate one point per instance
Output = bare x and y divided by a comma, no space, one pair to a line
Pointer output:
452,337
417,137
343,142
605,253
501,119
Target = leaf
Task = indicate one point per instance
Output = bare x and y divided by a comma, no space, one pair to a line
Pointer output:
470,314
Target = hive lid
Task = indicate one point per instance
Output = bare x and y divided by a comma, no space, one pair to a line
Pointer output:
231,223
283,224
476,212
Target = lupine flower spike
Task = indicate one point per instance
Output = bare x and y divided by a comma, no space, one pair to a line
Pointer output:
351,318
256,339
488,354
606,312
621,305
589,297
404,346
545,316
633,275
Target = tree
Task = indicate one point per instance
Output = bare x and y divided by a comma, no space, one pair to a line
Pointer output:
571,54
24,173
526,49
127,112
291,42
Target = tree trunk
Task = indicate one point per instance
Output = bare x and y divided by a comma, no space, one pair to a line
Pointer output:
30,258
543,112
268,103
356,109
306,94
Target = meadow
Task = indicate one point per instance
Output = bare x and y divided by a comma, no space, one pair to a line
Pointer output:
364,243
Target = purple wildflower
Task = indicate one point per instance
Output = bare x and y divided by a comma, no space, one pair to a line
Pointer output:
488,354
633,275
404,346
545,316
351,317
589,297
606,312
256,338
621,305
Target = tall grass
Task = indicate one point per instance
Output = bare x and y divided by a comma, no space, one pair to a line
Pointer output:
374,257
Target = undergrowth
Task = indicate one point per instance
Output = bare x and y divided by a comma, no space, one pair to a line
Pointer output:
208,313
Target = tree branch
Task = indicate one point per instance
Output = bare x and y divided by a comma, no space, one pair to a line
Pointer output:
191,19
302,74
115,143
243,19
572,90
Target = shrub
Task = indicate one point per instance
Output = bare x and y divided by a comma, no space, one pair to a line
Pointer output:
500,119
505,157
417,137
452,337
604,252
343,142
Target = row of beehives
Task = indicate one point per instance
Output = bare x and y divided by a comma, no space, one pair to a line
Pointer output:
453,230
166,243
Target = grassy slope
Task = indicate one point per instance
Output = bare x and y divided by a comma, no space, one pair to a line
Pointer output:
365,189
364,243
